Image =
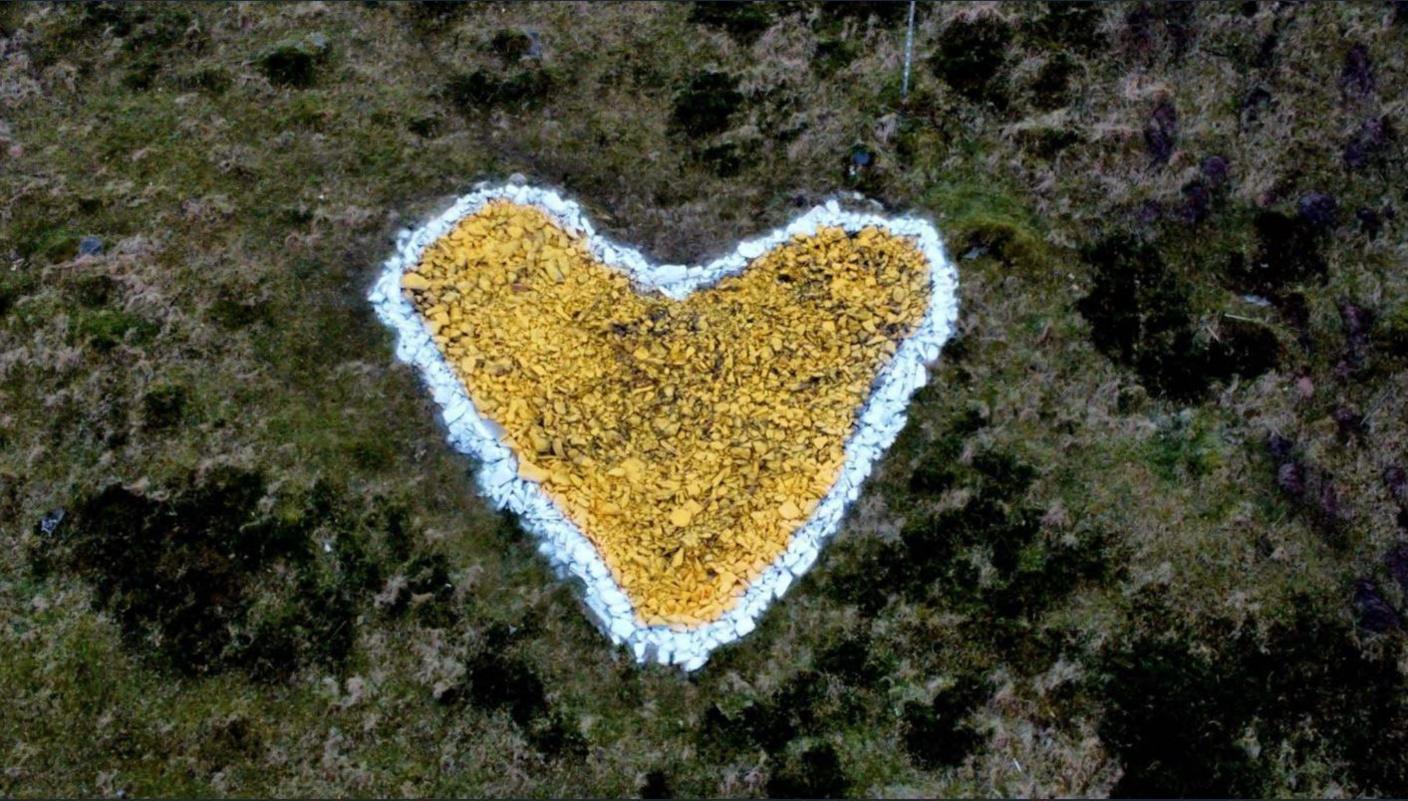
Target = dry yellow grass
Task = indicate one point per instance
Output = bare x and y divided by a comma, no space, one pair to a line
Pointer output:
686,439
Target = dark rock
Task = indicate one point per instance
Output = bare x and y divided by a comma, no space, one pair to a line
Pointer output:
1374,613
1318,209
1357,76
859,162
1215,170
90,246
51,520
1161,132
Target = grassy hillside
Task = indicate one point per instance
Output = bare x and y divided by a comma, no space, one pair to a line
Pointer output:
1146,532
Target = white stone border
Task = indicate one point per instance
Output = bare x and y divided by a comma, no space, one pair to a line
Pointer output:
568,550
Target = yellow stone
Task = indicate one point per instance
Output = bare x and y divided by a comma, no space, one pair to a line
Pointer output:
415,282
531,472
681,517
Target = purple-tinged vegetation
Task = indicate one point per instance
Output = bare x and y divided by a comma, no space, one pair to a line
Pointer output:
1216,170
1161,132
1197,202
1397,482
1257,101
1149,212
1318,209
1369,221
1375,614
1290,477
1310,487
1349,422
1357,76
1358,324
1397,563
1328,501
1369,144
1396,560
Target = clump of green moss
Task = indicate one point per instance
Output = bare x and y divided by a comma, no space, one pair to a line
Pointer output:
939,734
1183,707
971,58
220,572
1141,315
482,89
105,329
817,773
295,62
706,103
745,21
164,406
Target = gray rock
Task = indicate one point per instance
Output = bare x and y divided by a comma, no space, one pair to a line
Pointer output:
90,246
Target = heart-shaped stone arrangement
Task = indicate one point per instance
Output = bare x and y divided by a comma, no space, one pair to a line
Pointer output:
682,439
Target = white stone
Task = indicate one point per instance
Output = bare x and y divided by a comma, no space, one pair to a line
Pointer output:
670,273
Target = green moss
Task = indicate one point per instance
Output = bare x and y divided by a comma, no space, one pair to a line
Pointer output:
294,62
706,103
105,329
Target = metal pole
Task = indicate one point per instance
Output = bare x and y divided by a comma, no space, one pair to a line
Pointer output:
908,52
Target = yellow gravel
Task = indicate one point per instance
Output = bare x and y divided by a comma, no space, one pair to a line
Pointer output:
686,439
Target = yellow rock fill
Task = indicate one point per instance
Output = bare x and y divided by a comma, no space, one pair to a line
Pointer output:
686,439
